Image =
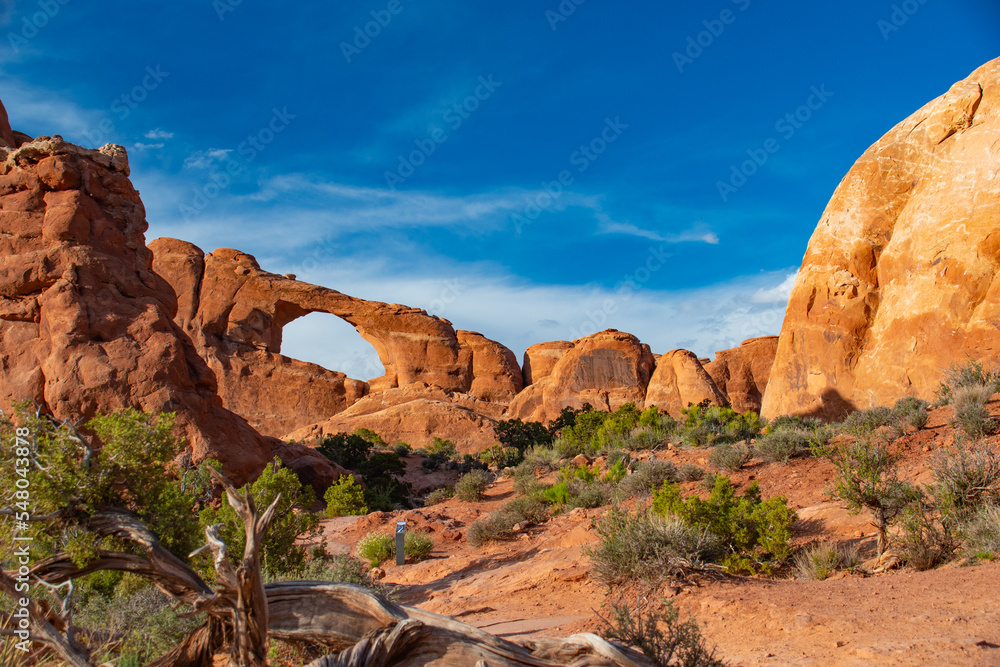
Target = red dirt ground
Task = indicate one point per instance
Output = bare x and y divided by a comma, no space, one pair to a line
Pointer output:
540,584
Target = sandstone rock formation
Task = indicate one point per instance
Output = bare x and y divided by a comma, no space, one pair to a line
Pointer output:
495,375
541,358
86,324
235,312
678,381
6,134
606,369
415,414
902,276
741,373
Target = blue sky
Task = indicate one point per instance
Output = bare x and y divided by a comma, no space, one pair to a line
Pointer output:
531,170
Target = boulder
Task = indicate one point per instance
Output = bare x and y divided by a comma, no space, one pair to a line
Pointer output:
414,414
678,381
606,369
741,373
491,366
901,277
87,325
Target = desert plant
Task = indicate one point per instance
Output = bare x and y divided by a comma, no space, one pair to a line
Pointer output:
647,549
689,472
911,411
522,435
971,414
647,476
402,449
471,486
660,635
438,496
867,477
982,531
779,446
347,450
756,533
927,536
345,497
730,457
967,477
863,423
821,560
282,549
540,458
499,525
441,447
971,373
417,545
376,547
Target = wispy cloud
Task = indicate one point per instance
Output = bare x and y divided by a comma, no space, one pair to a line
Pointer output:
207,159
778,293
695,234
39,111
144,147
519,314
159,134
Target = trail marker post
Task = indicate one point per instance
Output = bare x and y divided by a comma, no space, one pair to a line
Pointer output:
400,542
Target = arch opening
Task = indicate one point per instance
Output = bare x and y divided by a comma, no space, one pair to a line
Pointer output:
327,340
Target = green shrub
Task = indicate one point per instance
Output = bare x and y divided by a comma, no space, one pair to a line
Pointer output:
522,435
867,478
704,426
616,471
345,450
499,525
971,414
143,623
862,423
472,486
972,373
345,497
756,532
525,482
644,438
730,457
646,549
402,449
911,411
660,636
438,496
982,531
647,476
376,547
417,545
543,459
501,457
689,472
822,560
280,551
967,477
927,536
779,446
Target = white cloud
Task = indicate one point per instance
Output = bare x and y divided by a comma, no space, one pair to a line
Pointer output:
141,146
778,293
207,159
37,111
520,314
159,134
697,233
